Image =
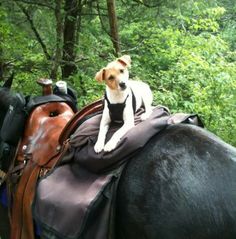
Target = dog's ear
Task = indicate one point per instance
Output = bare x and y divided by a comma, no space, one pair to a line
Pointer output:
125,60
100,76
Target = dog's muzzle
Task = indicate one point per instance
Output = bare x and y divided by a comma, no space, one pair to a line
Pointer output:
122,85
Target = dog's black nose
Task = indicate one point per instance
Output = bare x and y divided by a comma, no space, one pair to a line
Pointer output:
122,85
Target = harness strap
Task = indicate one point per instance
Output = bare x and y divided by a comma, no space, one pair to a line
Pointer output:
116,110
133,101
109,103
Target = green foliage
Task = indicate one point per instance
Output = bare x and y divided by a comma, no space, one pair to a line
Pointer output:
190,67
192,73
24,53
185,50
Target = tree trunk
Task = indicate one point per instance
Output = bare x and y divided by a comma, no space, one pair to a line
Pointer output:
113,25
59,39
73,9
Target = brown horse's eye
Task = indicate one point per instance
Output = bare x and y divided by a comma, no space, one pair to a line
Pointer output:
111,77
121,70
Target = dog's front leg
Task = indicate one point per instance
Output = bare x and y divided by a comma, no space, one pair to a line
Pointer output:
112,143
128,124
104,126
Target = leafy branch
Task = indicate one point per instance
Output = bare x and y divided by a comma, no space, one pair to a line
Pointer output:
34,29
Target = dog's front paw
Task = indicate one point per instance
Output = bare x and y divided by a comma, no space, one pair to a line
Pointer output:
98,147
110,145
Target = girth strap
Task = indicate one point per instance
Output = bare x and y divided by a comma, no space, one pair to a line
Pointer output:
22,221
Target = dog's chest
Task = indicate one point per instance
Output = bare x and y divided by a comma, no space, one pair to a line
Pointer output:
116,110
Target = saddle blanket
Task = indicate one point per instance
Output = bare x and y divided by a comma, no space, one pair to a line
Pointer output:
77,199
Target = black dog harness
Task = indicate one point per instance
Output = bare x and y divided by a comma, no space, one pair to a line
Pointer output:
116,110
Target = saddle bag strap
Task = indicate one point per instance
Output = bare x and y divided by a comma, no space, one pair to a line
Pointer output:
55,161
22,220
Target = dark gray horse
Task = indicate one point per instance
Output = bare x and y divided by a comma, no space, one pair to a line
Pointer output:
182,185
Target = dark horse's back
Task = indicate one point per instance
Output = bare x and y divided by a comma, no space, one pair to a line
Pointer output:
181,186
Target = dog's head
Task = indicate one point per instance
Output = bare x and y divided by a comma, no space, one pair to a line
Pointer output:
115,74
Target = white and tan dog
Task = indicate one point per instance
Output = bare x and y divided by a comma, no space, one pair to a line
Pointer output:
123,98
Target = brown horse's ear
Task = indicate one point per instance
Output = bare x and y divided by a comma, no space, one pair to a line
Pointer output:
125,60
100,76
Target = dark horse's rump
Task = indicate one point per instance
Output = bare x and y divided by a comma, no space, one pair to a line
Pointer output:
182,185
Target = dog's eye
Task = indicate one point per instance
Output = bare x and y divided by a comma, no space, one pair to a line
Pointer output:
121,70
111,77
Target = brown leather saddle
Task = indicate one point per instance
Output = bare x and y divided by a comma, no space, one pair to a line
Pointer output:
44,142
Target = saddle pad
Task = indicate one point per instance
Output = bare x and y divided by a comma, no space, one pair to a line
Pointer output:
85,137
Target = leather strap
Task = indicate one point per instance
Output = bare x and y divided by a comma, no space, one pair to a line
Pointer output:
73,123
30,173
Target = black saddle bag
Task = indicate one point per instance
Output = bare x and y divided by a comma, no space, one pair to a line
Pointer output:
14,121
